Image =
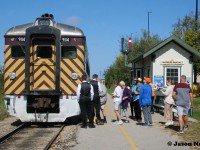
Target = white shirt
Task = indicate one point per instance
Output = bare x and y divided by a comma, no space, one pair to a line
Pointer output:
78,92
118,94
99,86
168,94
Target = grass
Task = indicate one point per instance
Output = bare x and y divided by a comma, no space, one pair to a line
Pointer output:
196,110
193,134
3,112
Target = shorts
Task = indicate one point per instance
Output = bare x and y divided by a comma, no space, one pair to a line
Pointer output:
182,110
103,106
117,104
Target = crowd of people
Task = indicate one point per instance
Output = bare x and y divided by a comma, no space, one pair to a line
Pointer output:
92,97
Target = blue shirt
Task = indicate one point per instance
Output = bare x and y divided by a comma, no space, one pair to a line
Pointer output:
145,95
134,88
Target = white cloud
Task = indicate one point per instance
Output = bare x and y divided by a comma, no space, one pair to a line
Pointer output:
72,20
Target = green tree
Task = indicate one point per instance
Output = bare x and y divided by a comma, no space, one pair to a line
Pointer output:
117,72
188,29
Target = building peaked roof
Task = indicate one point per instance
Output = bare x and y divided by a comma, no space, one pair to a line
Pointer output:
172,38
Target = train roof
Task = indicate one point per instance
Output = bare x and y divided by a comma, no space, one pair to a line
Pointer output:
65,29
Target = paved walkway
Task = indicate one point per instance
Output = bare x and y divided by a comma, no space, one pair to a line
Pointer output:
129,136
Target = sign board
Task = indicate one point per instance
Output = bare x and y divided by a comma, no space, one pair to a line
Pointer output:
158,81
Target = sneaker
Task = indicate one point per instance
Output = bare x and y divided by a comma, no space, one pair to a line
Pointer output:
171,123
167,123
120,122
180,131
145,125
99,122
185,128
150,124
116,122
104,121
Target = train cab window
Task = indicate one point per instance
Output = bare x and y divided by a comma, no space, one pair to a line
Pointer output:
68,52
18,51
44,51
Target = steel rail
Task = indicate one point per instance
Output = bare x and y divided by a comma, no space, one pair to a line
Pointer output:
54,138
8,135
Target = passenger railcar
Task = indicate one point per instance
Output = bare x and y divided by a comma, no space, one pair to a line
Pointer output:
44,62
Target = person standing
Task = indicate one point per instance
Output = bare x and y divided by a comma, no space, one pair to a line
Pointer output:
96,99
125,100
117,99
85,96
169,102
103,100
145,101
136,103
182,94
152,97
133,89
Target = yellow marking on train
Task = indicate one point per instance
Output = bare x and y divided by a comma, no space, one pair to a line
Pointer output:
72,65
65,88
127,136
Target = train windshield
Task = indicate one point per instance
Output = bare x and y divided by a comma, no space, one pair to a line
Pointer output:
44,51
68,52
18,51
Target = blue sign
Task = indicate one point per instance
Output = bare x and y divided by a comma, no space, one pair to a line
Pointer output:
158,82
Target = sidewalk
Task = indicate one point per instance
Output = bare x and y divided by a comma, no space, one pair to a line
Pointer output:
128,136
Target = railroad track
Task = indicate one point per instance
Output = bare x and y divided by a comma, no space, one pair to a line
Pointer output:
30,137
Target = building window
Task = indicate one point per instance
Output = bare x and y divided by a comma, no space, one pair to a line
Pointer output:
68,52
138,73
172,73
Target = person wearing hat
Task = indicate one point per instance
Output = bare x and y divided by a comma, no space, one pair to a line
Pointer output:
136,105
145,101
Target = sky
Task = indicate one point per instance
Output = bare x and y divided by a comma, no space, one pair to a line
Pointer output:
104,22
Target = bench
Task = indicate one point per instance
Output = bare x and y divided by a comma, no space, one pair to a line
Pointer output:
158,107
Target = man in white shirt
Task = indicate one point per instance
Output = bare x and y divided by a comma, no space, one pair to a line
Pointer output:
96,99
85,95
117,99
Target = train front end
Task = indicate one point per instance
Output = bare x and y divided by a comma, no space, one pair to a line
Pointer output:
43,65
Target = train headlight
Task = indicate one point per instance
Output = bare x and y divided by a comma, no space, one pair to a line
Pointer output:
74,76
44,22
12,76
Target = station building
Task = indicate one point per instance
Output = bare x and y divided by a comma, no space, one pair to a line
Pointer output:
168,60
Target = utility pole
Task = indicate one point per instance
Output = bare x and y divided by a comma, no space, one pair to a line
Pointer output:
148,25
196,21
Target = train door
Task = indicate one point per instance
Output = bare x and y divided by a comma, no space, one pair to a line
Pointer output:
43,60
